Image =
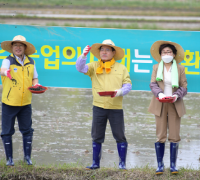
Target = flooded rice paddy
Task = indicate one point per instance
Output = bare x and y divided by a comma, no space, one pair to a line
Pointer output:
62,119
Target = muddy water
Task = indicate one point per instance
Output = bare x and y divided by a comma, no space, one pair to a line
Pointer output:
62,120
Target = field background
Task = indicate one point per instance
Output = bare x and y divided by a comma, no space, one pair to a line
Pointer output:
151,8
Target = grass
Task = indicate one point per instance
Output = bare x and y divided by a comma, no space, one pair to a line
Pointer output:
116,26
76,171
131,26
52,24
108,23
22,16
135,25
111,11
173,4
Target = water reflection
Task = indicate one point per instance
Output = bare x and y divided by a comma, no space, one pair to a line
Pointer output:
62,120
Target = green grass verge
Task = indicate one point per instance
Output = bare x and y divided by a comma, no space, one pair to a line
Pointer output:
22,16
129,26
75,171
173,4
152,26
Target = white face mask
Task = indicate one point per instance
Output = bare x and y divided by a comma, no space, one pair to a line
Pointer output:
167,58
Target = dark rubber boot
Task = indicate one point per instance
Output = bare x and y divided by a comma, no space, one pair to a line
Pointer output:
27,145
173,157
96,156
122,151
160,150
7,142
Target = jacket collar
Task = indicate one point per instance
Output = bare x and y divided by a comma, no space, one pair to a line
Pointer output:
26,60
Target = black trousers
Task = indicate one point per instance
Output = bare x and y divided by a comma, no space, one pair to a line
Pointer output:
23,115
116,119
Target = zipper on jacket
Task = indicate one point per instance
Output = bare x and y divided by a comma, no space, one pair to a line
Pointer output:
28,70
22,85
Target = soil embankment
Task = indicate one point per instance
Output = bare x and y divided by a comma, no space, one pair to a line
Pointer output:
103,18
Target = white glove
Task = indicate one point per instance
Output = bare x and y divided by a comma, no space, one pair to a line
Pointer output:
176,97
161,95
85,51
119,93
5,72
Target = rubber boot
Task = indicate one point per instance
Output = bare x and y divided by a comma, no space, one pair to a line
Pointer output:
160,150
7,142
96,156
173,157
122,151
27,145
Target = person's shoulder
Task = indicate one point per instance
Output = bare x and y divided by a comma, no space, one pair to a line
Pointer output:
7,59
180,66
31,59
94,63
120,65
155,66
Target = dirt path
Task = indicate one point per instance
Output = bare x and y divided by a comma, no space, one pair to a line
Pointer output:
102,11
83,16
100,18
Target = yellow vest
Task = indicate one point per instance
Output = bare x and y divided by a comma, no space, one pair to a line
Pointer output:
108,82
15,91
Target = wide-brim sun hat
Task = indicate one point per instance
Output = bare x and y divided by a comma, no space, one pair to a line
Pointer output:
96,52
7,45
155,50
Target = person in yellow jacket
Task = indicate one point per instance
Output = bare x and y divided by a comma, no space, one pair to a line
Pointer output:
106,75
18,72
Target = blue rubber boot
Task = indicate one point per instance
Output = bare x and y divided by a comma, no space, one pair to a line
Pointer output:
122,151
160,150
173,157
96,156
27,145
7,142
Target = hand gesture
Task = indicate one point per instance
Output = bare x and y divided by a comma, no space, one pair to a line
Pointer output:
175,96
118,92
161,95
86,50
37,85
7,73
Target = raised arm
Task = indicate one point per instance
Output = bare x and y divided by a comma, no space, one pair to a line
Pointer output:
81,65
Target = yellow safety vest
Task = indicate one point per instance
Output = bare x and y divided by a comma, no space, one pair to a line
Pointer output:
15,91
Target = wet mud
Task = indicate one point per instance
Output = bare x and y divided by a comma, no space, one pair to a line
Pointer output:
62,119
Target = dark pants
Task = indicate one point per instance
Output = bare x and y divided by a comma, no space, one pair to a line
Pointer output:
116,119
23,114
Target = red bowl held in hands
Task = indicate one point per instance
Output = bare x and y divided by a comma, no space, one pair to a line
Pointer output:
107,93
37,89
167,99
